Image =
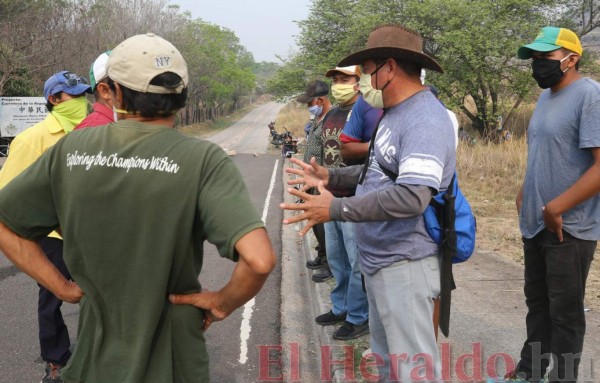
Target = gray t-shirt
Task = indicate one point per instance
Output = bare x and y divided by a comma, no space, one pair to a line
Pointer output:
415,140
564,125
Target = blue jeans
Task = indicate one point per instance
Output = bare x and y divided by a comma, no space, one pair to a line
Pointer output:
348,295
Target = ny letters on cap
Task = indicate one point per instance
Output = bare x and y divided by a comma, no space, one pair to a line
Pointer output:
137,60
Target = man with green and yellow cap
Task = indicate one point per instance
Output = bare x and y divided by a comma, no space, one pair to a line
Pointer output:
558,206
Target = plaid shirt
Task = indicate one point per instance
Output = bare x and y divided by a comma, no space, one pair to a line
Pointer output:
314,142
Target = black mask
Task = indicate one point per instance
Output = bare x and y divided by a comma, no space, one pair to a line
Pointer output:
547,72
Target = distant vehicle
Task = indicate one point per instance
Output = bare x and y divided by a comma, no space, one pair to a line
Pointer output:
278,139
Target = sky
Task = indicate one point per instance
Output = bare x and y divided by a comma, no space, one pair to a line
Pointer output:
265,27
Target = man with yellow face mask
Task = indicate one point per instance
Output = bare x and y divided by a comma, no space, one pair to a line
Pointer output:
348,299
67,107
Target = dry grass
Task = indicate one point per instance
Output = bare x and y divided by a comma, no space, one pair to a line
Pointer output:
490,177
293,117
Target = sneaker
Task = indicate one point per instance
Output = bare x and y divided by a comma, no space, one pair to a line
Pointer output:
329,318
322,275
351,331
315,264
52,373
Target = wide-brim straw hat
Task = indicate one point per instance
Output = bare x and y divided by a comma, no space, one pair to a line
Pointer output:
393,41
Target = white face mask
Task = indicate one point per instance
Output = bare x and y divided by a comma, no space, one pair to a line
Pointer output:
315,110
372,96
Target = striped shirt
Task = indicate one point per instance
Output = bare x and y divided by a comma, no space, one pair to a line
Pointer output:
415,140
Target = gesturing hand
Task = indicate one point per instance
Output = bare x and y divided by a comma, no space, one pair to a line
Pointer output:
205,300
315,207
309,175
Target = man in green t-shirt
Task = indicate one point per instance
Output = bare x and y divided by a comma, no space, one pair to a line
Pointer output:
135,201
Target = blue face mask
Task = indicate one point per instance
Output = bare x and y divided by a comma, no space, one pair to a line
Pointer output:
315,110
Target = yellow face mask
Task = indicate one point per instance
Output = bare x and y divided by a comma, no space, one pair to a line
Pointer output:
372,96
70,113
343,93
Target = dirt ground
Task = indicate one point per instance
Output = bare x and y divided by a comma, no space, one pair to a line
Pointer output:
498,231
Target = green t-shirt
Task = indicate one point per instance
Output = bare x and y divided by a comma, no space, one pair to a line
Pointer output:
135,203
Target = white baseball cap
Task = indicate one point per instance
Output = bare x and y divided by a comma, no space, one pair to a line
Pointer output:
98,69
137,60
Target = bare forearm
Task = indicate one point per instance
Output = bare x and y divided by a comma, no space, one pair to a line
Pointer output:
519,199
587,186
243,286
257,260
354,150
29,257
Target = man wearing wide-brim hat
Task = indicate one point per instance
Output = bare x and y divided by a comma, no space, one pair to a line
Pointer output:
412,157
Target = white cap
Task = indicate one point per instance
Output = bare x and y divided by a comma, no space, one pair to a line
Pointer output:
98,69
137,60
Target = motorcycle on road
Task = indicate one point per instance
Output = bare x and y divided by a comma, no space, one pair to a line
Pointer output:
285,139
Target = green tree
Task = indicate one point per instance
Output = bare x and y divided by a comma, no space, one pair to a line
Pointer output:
264,71
40,37
474,41
288,81
220,69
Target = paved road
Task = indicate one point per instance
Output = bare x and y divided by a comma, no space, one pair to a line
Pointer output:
250,134
232,358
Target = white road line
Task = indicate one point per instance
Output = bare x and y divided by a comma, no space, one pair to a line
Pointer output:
249,306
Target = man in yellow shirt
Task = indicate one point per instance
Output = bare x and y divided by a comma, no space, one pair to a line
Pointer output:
67,107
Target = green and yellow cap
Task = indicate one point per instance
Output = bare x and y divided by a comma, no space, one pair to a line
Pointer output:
550,39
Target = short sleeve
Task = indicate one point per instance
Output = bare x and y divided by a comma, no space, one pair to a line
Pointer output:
422,157
224,205
353,126
20,156
27,203
362,121
589,127
371,118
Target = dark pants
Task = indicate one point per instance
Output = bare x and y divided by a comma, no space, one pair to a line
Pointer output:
555,277
319,231
54,336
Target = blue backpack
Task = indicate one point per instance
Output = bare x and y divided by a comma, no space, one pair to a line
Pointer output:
465,224
462,221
